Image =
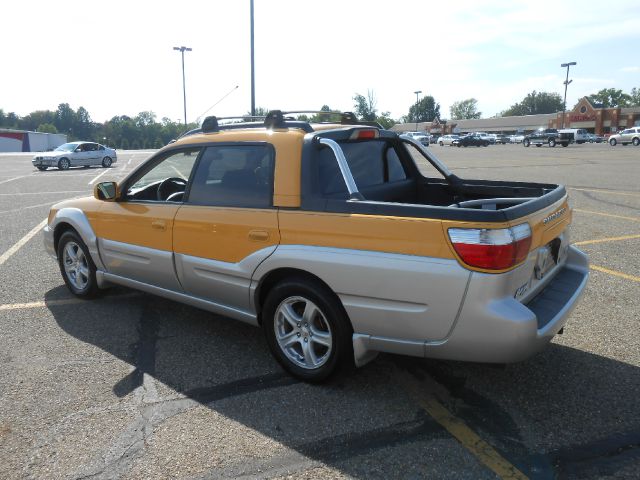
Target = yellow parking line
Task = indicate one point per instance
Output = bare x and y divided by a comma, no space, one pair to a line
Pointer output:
469,439
615,273
604,240
633,219
611,192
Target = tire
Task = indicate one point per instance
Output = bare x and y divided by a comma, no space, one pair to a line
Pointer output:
296,310
106,162
76,266
441,144
526,142
613,142
538,144
552,142
63,164
565,144
41,168
636,142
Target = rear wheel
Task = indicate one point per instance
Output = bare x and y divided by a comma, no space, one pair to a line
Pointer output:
106,162
636,142
307,329
41,168
565,144
63,164
552,142
613,142
538,144
441,144
526,142
76,266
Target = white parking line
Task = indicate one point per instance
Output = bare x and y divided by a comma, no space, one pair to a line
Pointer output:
26,208
6,255
43,193
14,178
98,176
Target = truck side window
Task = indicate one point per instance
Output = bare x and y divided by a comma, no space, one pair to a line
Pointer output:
234,176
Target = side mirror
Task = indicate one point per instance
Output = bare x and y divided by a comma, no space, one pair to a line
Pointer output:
107,191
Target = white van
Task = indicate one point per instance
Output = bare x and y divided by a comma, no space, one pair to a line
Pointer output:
579,135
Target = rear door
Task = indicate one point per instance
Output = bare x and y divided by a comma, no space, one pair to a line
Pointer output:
228,225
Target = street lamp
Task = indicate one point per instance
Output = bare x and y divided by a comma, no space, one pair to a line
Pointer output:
417,92
253,74
566,84
184,90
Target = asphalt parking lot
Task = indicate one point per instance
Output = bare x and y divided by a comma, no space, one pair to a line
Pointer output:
134,386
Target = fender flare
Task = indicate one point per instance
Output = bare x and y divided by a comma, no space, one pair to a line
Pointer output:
76,218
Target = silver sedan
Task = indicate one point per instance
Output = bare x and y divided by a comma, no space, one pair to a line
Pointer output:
76,154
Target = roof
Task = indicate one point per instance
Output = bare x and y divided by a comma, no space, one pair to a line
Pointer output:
524,122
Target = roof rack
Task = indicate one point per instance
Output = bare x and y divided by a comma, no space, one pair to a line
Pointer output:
274,119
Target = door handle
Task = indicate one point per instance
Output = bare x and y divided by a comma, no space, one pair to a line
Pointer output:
259,235
159,225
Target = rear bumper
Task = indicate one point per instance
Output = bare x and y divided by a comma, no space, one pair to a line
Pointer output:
493,327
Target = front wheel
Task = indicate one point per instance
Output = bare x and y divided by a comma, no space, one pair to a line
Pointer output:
613,142
552,142
106,162
636,142
41,168
307,329
63,164
526,142
76,266
441,144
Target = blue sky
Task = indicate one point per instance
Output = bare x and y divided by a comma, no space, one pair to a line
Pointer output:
116,57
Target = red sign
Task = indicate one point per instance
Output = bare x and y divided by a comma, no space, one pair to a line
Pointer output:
582,118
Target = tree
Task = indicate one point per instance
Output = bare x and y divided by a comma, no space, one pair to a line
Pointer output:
365,108
635,97
465,109
65,118
47,128
385,120
535,103
329,116
610,97
426,110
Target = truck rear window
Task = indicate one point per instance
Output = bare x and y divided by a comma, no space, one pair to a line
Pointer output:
372,162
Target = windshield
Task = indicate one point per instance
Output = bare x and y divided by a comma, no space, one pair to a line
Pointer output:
67,147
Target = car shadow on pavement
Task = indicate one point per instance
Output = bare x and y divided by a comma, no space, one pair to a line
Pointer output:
563,413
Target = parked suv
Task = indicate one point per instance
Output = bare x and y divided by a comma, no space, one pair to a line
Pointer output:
419,137
329,238
630,135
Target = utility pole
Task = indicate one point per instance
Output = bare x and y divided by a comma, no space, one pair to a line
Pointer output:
566,84
184,88
253,73
417,92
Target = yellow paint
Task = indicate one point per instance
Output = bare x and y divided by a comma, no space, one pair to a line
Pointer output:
615,273
144,224
633,219
224,233
411,236
469,439
604,240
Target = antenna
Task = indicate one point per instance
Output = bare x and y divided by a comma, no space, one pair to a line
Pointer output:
221,98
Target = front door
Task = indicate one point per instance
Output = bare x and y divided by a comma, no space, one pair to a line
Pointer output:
227,225
135,234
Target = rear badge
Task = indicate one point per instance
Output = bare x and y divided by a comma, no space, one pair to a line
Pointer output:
554,215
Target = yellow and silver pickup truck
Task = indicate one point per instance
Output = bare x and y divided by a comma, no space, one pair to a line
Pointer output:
329,237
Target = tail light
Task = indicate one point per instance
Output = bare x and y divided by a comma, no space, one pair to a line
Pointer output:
492,248
364,134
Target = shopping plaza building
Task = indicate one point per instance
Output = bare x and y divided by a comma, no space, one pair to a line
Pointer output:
594,119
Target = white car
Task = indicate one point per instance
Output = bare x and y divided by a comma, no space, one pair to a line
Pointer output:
76,154
418,137
630,135
447,140
516,138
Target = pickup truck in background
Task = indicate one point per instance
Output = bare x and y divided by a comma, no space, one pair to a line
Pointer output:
339,240
547,136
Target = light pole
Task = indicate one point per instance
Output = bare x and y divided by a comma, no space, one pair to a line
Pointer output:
253,75
417,92
566,84
184,89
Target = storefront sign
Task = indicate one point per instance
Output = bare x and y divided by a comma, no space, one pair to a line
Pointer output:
582,118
